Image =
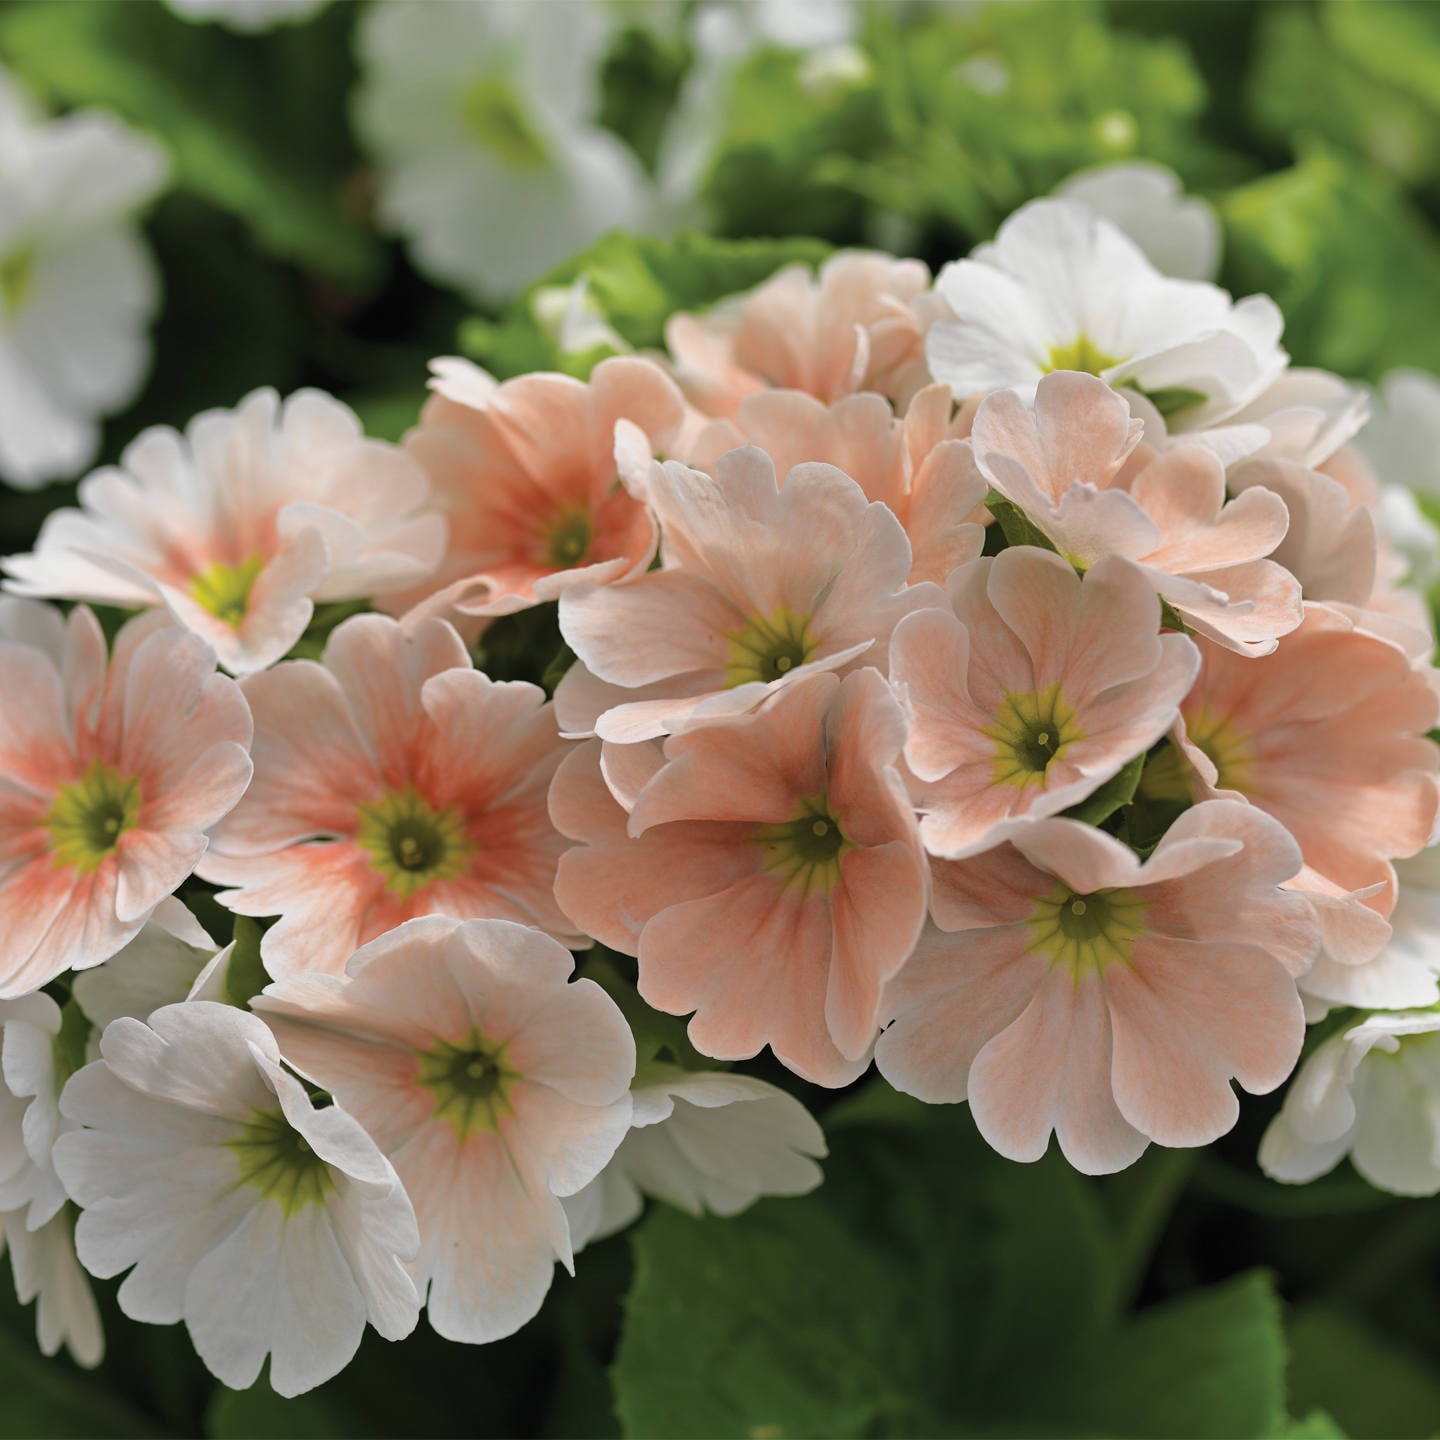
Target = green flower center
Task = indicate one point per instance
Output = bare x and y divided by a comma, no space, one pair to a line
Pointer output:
1229,751
568,541
1087,932
497,117
89,817
805,850
277,1160
410,843
17,275
1031,731
1080,354
224,590
471,1081
767,647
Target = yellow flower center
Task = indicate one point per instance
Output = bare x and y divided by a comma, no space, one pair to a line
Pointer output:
767,647
1080,354
1229,751
277,1160
497,117
89,817
411,843
568,542
1086,932
224,590
805,850
470,1080
17,275
1031,731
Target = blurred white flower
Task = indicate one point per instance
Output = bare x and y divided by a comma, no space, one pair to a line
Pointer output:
480,119
1373,1093
702,1141
45,1269
1179,233
1402,444
247,16
78,288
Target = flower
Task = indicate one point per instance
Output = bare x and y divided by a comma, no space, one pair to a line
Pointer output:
1072,466
768,875
1371,1092
266,1225
480,120
391,780
1069,986
854,327
44,1267
917,466
1032,692
248,17
538,479
494,1084
1178,233
1060,288
111,776
702,1141
239,525
78,287
760,584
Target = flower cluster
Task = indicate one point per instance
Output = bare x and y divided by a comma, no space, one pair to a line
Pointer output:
1009,680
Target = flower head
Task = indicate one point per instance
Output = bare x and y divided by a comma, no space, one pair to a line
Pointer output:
241,524
1069,986
109,779
391,780
495,1086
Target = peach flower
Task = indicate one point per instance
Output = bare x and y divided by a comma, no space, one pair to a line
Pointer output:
761,584
493,1083
241,524
859,326
1065,465
918,467
109,778
528,474
391,780
1067,985
769,875
1031,692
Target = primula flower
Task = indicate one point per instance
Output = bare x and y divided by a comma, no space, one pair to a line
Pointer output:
1061,289
917,466
391,780
248,17
493,1083
1031,692
701,1141
45,1269
1372,1093
480,118
266,1225
110,776
529,474
769,875
1068,464
1329,738
239,525
859,325
1069,986
78,286
761,584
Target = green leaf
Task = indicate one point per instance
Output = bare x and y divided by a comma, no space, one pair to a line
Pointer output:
1171,619
74,1035
245,975
1015,524
1174,400
180,83
243,1414
1317,1425
1111,796
1370,1383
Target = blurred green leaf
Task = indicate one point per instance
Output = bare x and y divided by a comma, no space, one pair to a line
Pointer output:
1116,792
46,1399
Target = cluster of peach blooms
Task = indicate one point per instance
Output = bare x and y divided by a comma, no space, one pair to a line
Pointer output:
1004,681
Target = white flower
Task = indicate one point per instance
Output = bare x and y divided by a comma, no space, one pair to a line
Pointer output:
701,1140
1062,289
479,116
241,524
1402,443
44,1266
1179,233
1373,1093
266,1225
571,317
247,16
78,287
